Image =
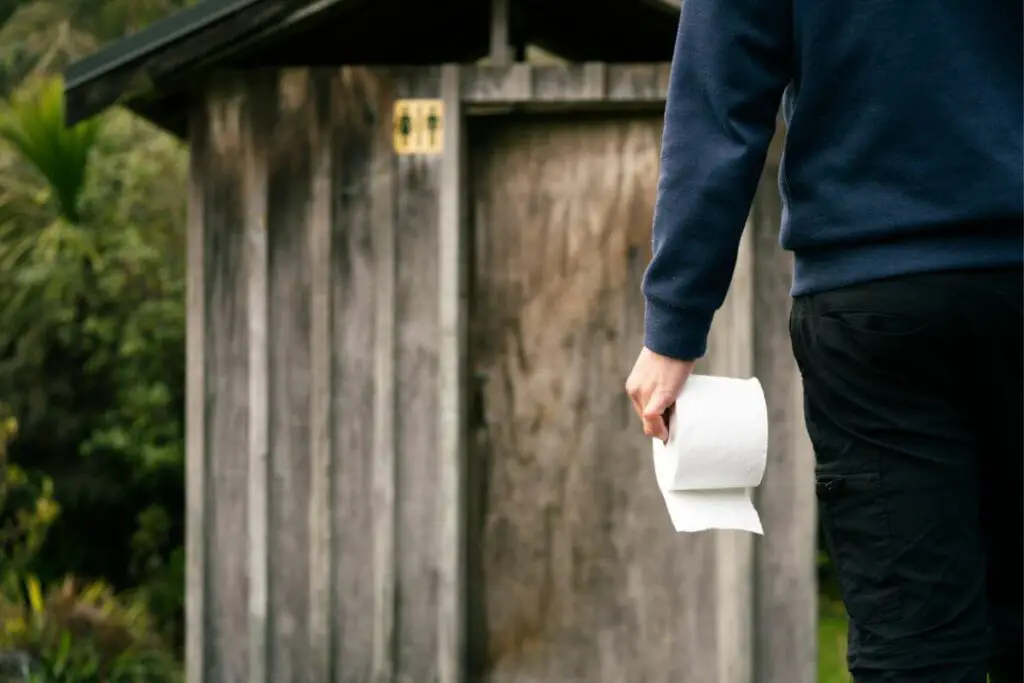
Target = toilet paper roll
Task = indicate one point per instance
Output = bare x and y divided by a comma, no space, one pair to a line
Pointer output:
716,453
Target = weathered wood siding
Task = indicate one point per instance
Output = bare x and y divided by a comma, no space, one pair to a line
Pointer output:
410,456
581,577
314,383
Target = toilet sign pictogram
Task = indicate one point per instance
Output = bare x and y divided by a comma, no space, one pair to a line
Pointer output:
418,126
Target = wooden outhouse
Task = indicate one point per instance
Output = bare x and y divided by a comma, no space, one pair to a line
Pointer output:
413,299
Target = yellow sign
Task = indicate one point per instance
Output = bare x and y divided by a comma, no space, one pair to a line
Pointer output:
418,126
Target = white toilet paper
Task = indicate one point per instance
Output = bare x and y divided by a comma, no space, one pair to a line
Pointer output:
716,453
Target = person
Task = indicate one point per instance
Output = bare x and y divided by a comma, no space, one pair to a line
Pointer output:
903,197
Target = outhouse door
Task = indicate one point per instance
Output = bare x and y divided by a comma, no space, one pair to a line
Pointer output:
575,572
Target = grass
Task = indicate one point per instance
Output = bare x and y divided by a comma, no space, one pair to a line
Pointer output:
832,642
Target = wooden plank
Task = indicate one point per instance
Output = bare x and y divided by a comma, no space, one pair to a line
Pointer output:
786,583
321,483
731,354
565,83
362,208
595,81
197,470
451,385
227,368
384,416
257,310
501,46
416,334
638,82
577,572
287,103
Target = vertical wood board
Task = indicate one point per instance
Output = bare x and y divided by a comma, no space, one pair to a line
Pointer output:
416,192
362,271
227,368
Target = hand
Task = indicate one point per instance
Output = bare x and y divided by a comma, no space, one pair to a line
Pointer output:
653,386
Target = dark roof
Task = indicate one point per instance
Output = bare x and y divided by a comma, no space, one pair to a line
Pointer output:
129,68
152,70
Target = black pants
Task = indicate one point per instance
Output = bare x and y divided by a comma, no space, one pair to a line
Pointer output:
914,400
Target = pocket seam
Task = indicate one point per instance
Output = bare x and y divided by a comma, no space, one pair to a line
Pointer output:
836,317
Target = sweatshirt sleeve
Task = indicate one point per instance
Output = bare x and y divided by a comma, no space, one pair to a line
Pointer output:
732,63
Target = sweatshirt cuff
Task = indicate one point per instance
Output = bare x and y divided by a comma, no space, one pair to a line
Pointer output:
676,333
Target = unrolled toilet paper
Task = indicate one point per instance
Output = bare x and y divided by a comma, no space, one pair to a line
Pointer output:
715,455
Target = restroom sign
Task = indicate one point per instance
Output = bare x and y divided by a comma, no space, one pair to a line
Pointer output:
418,126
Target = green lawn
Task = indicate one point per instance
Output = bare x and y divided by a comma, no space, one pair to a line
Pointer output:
832,642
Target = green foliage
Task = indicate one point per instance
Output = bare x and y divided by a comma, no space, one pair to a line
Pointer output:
44,36
86,635
26,511
92,338
91,352
66,634
34,125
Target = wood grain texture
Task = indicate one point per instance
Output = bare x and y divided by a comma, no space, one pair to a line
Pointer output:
409,449
260,498
289,104
453,270
227,368
196,461
417,330
786,587
567,83
362,271
321,476
501,46
385,469
579,577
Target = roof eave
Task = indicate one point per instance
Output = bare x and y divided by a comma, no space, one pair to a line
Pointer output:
132,67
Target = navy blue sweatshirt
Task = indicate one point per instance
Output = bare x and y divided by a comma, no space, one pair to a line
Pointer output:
903,151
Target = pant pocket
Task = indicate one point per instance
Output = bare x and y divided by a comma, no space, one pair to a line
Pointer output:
860,541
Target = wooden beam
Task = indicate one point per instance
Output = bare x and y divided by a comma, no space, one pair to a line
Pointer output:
452,375
197,472
501,43
564,83
257,282
321,498
384,461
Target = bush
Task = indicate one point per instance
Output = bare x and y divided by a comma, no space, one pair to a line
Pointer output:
87,635
67,634
92,338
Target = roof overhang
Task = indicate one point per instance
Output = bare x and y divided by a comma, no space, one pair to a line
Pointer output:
130,68
153,71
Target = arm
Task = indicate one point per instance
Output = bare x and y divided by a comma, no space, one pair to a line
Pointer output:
732,63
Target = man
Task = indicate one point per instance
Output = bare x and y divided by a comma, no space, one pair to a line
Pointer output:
902,188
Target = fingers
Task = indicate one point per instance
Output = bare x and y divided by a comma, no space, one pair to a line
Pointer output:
655,415
653,386
652,410
635,391
655,428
